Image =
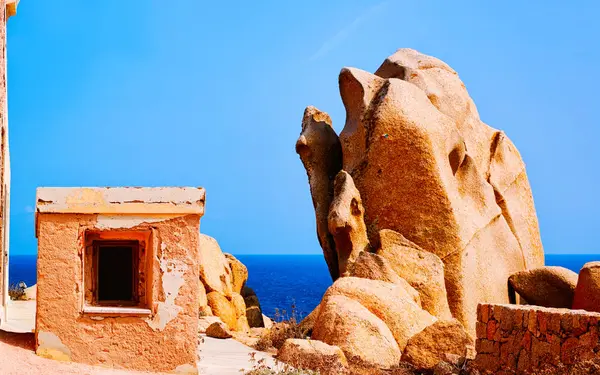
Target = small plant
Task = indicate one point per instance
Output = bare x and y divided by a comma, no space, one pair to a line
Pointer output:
17,291
286,326
260,367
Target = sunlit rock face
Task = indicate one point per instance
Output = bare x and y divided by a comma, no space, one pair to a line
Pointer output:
428,168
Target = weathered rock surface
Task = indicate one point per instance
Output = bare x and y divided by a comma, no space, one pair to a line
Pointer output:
433,344
587,292
429,169
313,355
360,334
375,267
237,301
239,273
218,330
546,286
423,270
346,222
389,302
320,151
215,273
223,308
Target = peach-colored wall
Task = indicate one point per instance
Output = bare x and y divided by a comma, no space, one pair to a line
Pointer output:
164,341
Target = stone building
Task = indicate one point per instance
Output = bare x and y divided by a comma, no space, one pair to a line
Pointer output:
10,9
118,276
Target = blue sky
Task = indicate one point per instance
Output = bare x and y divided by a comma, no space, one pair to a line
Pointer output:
188,92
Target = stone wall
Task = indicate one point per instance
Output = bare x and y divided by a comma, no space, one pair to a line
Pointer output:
521,339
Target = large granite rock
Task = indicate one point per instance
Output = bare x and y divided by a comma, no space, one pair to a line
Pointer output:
423,270
587,292
346,222
223,308
545,286
320,152
429,169
361,335
390,303
239,273
375,267
215,273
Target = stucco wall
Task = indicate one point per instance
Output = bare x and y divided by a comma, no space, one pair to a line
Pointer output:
164,341
518,338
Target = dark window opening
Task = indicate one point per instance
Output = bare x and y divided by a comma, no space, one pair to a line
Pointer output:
116,269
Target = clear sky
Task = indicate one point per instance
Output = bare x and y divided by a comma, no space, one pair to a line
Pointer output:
198,93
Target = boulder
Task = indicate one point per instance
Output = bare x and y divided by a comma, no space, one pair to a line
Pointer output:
546,286
239,273
313,355
218,330
587,292
423,270
391,303
268,322
375,267
237,301
215,273
435,343
205,321
360,334
242,324
223,308
346,222
307,324
253,309
427,167
320,151
31,293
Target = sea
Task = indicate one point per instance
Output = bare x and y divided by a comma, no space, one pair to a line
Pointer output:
286,285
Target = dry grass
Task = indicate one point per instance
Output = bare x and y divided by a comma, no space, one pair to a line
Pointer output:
260,368
286,326
16,292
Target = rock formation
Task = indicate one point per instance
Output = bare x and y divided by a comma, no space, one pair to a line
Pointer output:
320,152
452,191
545,286
346,222
223,280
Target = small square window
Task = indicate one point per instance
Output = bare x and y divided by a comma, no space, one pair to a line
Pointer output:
115,269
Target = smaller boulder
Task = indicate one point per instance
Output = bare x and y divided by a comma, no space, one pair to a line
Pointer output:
31,292
587,292
313,355
205,321
218,330
268,322
436,343
545,286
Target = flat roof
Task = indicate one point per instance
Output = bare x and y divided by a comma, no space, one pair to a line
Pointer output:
121,200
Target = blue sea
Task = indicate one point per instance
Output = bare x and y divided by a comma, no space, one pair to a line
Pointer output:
283,281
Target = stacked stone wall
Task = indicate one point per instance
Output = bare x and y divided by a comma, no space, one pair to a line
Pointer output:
527,339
